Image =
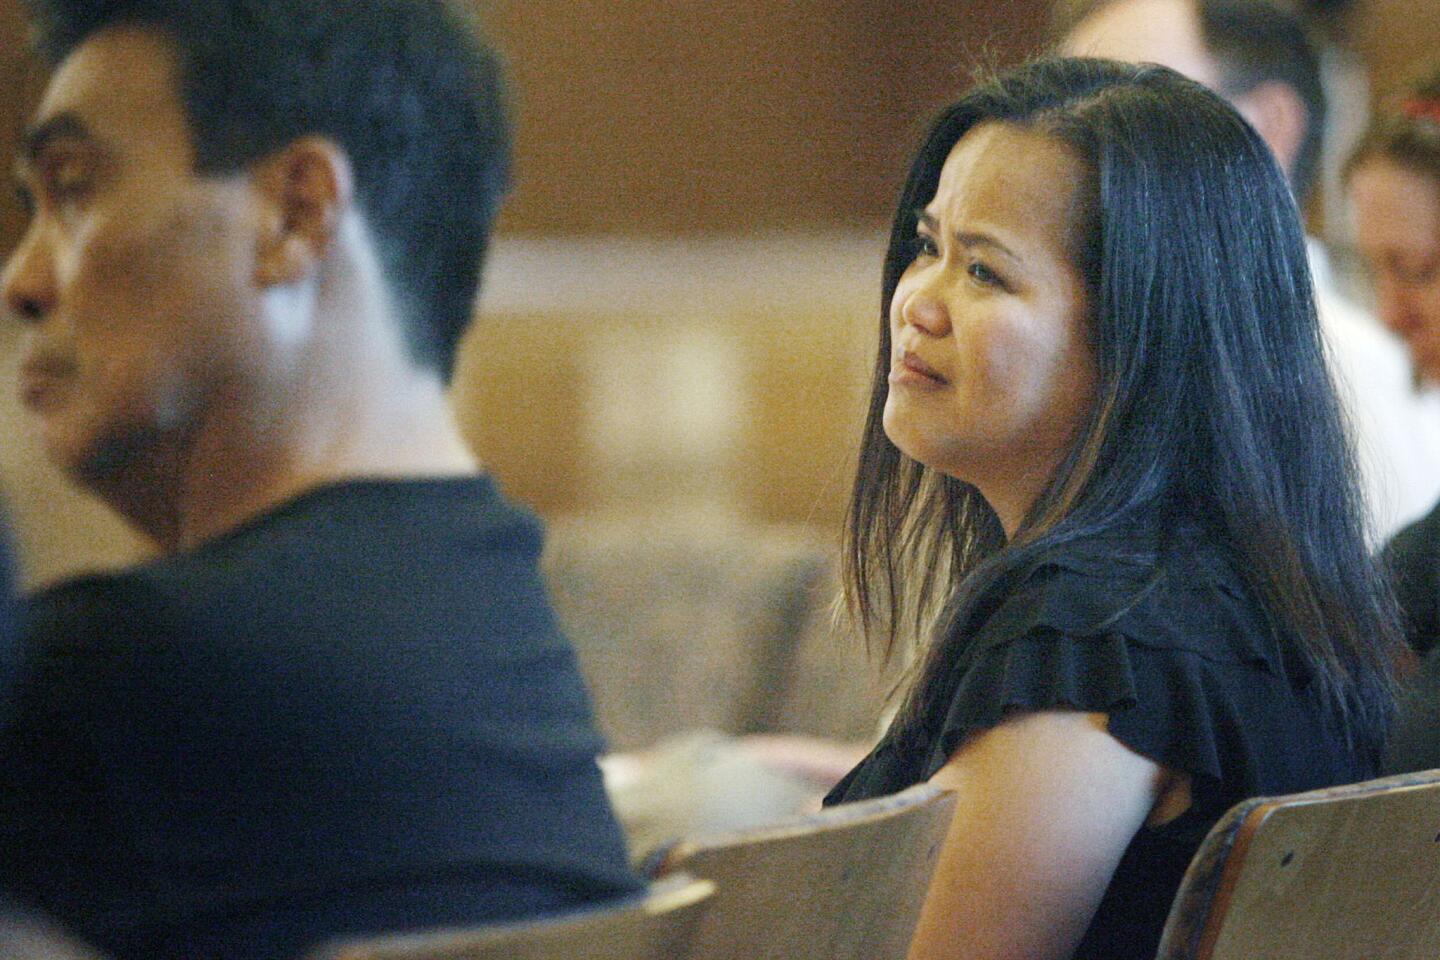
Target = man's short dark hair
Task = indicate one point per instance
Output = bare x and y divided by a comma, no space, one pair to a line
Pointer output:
1252,42
405,87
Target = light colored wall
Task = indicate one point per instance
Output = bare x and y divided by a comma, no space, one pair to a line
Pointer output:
726,373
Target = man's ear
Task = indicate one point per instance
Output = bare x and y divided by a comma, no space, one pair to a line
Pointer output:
1279,115
305,190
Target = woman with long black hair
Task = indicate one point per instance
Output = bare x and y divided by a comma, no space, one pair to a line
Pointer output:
1105,484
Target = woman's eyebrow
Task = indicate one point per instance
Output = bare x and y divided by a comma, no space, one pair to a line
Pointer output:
974,239
966,238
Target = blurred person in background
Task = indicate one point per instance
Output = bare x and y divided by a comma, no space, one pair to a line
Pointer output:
1258,56
1393,179
338,701
1105,486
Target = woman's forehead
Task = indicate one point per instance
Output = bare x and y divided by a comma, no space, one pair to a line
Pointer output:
1010,179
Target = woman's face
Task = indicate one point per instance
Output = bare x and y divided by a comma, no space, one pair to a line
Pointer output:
1397,228
991,367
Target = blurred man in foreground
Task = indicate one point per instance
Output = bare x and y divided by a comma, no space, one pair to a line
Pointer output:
338,702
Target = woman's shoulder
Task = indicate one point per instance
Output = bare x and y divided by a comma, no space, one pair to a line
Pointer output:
1181,593
1170,645
1164,638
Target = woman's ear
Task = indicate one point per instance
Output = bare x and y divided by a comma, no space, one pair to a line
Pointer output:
305,190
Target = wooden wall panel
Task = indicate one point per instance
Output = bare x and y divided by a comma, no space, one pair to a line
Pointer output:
21,79
698,117
1396,38
681,117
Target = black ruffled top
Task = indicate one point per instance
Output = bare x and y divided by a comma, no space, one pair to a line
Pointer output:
1172,647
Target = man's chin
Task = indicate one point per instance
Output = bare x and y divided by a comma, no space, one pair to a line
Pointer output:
133,473
85,459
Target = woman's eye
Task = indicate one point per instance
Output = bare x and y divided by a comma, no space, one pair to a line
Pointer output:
923,245
983,274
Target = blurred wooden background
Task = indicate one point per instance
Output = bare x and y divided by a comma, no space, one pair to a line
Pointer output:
679,313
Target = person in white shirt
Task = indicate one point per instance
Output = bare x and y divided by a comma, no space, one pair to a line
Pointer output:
1393,182
1259,58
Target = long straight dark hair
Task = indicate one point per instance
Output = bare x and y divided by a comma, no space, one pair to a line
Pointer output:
1214,404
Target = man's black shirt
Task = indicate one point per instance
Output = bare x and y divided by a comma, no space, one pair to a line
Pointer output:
355,713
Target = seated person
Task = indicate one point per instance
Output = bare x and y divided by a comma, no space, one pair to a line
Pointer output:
337,702
1105,482
1393,180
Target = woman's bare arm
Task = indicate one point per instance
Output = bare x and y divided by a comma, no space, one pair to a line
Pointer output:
1048,802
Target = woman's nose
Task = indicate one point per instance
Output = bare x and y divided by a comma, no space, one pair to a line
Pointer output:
926,311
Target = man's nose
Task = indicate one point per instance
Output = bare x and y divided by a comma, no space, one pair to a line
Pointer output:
1397,308
28,281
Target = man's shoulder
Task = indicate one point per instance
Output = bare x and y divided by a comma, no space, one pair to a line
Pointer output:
83,606
285,599
373,513
351,527
359,569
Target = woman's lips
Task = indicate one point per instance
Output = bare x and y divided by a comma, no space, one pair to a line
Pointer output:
910,370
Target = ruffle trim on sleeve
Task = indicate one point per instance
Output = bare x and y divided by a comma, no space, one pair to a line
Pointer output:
1194,607
1163,658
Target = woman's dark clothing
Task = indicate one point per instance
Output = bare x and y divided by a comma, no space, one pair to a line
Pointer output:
1412,558
1179,657
353,714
